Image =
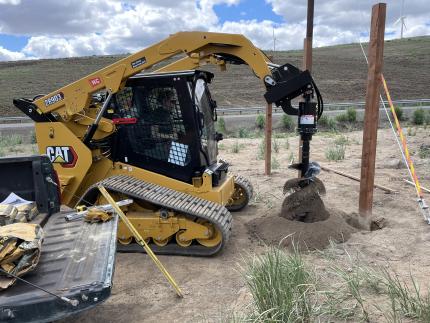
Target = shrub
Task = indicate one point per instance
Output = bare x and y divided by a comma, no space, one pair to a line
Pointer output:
243,133
221,125
418,117
260,121
335,153
399,112
287,122
328,123
427,117
349,116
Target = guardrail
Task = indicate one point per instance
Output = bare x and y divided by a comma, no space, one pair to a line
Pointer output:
327,107
15,120
257,110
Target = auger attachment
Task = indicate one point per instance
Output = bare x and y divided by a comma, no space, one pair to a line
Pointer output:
287,83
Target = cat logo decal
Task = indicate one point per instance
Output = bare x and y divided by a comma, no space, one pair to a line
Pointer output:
64,155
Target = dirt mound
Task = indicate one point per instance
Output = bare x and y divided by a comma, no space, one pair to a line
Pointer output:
277,230
304,205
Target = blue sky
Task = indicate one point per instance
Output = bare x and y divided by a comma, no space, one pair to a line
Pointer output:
12,42
32,29
247,10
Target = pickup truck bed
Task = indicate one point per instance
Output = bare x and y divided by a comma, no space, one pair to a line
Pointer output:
77,261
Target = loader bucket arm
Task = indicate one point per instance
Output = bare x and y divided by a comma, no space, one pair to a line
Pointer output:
198,46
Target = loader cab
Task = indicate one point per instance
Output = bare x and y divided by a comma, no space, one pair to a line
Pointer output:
165,124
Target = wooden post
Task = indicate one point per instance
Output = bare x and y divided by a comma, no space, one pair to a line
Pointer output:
307,55
371,116
268,141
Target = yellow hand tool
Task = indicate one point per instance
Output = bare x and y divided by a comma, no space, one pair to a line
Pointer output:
140,240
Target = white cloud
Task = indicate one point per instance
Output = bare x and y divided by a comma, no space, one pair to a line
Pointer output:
12,2
7,55
88,27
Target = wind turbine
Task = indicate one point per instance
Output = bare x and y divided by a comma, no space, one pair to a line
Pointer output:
401,20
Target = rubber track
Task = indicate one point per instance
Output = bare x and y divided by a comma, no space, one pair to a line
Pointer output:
183,203
246,184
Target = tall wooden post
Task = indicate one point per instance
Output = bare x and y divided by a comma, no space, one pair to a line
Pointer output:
268,141
371,116
307,55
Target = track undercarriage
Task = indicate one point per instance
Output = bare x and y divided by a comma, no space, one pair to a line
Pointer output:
172,222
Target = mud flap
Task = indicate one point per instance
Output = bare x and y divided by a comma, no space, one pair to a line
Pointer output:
77,261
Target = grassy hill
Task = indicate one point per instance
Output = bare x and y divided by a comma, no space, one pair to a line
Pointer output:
340,72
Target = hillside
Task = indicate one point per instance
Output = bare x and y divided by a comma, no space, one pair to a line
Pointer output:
340,72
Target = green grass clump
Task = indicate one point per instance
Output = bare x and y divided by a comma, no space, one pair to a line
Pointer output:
341,141
287,122
236,147
287,144
281,287
335,153
260,121
286,289
404,299
276,145
261,149
221,125
275,163
419,117
10,140
424,151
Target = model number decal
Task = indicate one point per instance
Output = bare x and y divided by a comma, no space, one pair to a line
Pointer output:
64,155
138,62
95,81
54,99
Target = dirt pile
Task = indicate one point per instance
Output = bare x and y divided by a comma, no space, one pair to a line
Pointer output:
305,204
311,231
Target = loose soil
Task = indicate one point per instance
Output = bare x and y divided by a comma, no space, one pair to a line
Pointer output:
279,231
214,287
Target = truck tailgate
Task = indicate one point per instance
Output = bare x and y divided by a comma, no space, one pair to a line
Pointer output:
77,261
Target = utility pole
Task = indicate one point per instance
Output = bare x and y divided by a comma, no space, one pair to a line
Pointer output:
371,114
307,55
